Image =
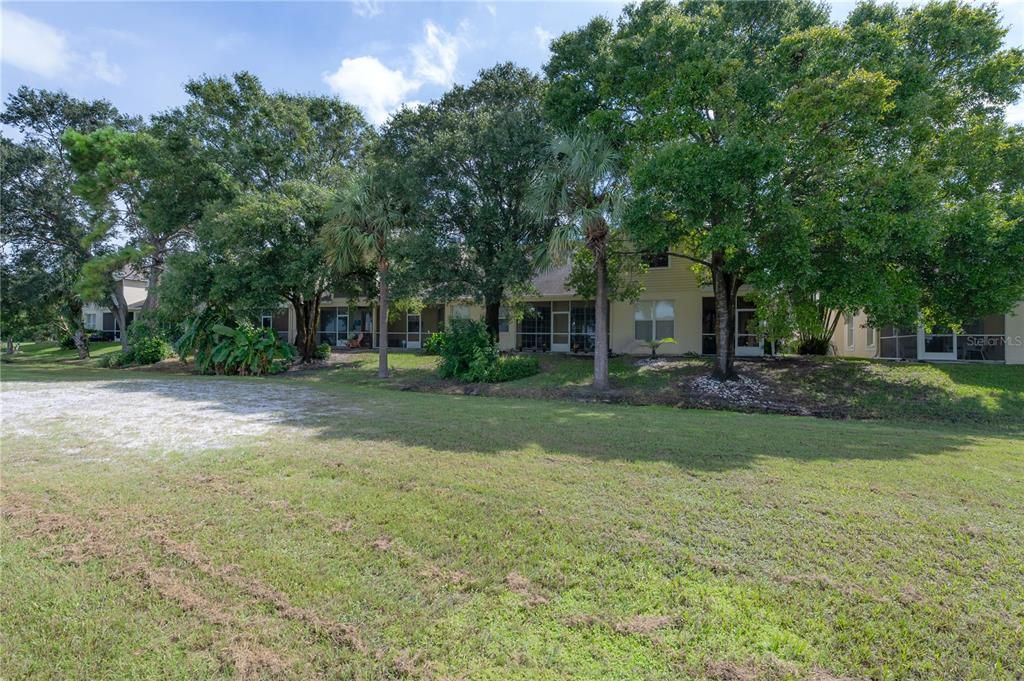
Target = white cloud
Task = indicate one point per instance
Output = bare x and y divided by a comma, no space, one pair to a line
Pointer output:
101,67
544,37
366,8
379,90
41,49
492,8
370,85
437,56
34,46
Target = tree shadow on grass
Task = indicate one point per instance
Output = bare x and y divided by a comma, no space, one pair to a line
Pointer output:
697,440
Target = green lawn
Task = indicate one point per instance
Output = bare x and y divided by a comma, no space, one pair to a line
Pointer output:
394,534
981,394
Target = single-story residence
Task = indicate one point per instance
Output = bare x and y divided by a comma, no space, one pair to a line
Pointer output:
995,338
674,304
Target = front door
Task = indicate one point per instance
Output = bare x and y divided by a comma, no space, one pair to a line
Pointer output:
939,343
560,331
412,331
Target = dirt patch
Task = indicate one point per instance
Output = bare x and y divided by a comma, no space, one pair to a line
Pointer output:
519,584
382,544
249,658
150,414
337,632
731,671
643,624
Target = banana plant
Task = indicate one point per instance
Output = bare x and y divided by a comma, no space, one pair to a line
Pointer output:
247,350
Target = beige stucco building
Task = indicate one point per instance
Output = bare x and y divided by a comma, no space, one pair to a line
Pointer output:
995,338
673,305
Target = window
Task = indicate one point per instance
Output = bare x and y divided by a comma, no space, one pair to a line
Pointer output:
747,332
266,320
898,342
849,332
333,325
502,319
871,336
708,332
655,260
534,331
460,311
654,320
90,321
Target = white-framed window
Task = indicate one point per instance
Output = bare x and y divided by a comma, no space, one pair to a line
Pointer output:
460,311
90,321
870,336
502,319
654,320
850,337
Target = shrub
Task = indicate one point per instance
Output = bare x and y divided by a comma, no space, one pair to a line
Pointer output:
147,343
433,343
223,349
246,350
116,360
513,368
323,351
469,354
467,351
67,343
813,346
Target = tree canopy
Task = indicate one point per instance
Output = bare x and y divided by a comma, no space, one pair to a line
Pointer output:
774,149
474,152
48,232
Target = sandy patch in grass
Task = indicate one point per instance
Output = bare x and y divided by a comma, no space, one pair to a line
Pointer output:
161,415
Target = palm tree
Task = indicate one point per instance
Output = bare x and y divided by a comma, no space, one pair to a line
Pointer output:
580,190
367,217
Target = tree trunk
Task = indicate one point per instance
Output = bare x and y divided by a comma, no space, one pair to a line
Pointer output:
152,301
10,345
382,324
81,342
74,326
492,307
601,317
120,310
307,321
725,317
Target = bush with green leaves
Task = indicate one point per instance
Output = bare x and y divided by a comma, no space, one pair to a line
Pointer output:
323,351
432,343
116,360
514,367
242,349
249,351
146,343
468,353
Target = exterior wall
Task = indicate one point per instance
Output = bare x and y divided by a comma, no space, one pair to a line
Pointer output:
134,293
676,283
860,346
1015,336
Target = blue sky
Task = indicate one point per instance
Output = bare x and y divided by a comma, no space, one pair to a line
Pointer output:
374,54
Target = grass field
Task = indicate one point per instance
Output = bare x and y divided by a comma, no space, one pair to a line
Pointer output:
376,533
979,394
